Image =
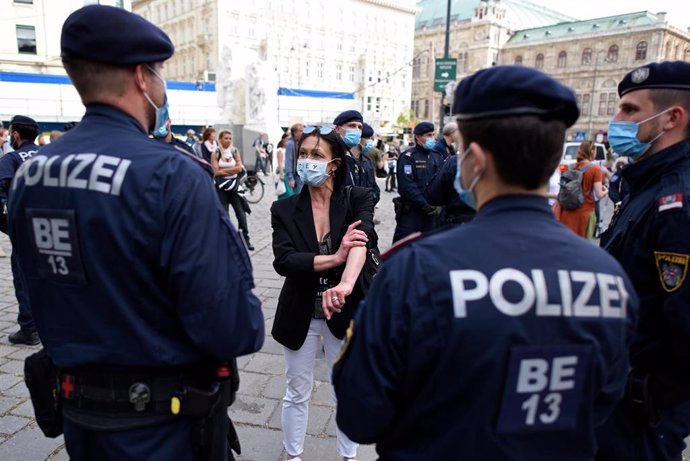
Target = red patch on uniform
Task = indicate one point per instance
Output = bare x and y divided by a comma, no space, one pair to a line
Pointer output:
669,202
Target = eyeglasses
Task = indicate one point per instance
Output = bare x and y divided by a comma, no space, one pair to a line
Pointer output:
322,129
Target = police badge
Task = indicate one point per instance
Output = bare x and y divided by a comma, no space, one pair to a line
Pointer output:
639,75
672,269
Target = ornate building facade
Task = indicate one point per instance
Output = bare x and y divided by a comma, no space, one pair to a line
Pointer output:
590,56
319,47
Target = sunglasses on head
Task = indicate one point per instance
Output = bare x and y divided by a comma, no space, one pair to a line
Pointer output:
322,129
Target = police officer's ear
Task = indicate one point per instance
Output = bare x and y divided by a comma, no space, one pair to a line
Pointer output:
678,116
477,158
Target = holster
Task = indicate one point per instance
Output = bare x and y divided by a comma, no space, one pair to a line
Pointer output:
40,375
401,207
213,434
639,395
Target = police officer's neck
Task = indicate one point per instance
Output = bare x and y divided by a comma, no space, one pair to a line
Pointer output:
668,139
489,190
356,151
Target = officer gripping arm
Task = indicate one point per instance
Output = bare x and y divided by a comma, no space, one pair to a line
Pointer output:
440,191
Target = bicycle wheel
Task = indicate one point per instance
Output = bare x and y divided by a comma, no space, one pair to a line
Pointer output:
253,189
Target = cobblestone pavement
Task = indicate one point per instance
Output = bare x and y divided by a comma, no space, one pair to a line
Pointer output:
257,409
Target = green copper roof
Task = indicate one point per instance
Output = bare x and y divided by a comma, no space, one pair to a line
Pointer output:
620,22
521,14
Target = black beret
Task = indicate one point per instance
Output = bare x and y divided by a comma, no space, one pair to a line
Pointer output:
505,91
113,36
667,75
423,128
348,116
367,131
24,120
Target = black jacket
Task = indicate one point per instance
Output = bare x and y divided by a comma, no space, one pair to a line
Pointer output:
294,247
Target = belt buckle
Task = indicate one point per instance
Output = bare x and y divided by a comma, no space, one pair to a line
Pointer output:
139,395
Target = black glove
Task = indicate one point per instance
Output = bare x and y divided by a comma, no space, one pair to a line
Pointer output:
431,210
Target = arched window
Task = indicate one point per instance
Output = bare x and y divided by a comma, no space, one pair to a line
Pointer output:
641,51
518,60
539,61
587,56
613,53
562,59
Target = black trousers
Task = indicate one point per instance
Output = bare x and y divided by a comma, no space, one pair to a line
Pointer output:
232,198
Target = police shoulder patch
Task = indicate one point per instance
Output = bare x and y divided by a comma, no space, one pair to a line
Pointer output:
672,267
670,202
403,242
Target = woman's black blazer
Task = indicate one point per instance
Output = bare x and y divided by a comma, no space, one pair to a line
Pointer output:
294,247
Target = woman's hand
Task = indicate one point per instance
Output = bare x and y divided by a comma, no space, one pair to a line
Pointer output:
333,299
353,238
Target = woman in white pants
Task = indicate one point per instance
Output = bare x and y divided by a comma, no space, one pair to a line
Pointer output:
319,245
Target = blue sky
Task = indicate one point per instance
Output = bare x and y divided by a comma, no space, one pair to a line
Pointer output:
678,10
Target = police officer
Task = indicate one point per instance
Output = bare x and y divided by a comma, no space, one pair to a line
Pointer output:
23,132
415,169
649,236
140,286
511,342
360,169
440,192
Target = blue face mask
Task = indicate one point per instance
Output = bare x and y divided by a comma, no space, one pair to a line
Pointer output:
312,172
160,130
352,137
623,137
466,195
429,143
368,145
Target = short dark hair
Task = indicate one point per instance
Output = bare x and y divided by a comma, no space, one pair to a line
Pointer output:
665,98
295,128
339,150
525,148
26,132
93,79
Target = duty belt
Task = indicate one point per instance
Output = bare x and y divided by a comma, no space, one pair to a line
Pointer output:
128,391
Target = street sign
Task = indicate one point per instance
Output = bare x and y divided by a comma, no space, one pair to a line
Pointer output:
445,73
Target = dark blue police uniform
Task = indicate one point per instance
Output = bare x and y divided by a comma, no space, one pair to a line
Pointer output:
9,163
649,236
434,367
440,192
140,285
360,172
414,171
502,339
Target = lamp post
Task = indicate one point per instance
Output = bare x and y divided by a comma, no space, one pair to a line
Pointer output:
591,98
445,55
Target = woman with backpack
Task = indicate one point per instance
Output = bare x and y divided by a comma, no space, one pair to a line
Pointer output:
581,219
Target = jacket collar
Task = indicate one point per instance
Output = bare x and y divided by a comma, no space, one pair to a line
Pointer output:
647,170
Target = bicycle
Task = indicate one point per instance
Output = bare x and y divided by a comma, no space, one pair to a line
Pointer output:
253,187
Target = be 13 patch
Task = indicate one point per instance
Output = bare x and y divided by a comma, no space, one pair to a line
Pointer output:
544,388
672,269
56,245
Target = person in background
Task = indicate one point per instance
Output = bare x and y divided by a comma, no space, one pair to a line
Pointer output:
261,154
415,169
280,174
294,180
582,220
392,161
191,138
209,145
319,246
445,146
23,133
227,167
55,134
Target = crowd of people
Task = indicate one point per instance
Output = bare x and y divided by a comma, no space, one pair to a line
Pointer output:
489,330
